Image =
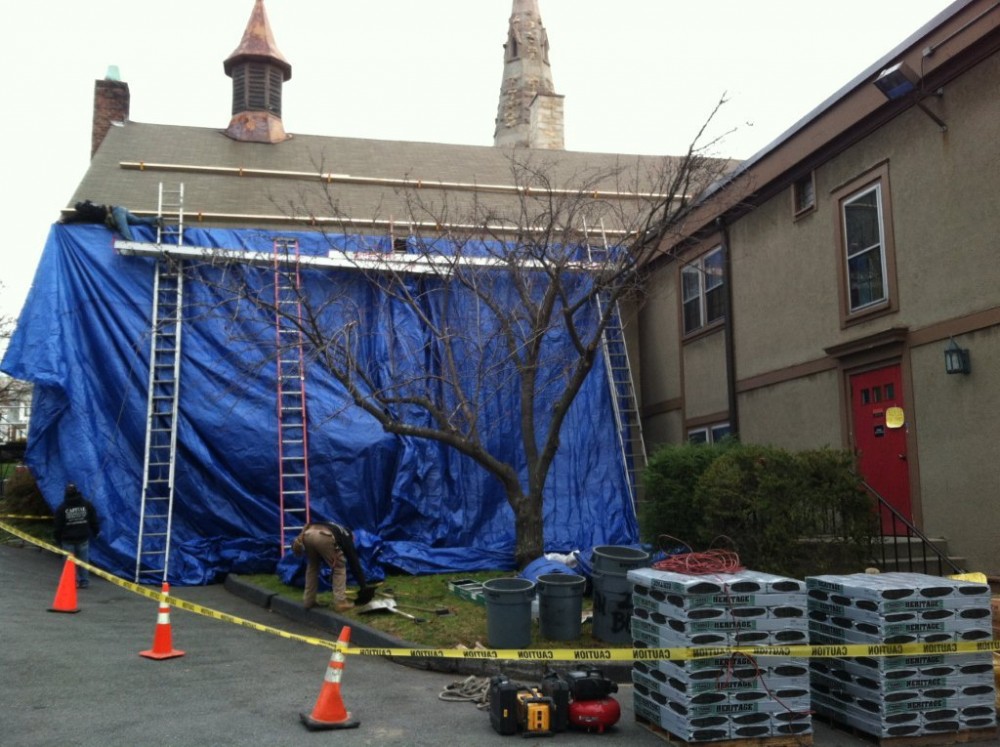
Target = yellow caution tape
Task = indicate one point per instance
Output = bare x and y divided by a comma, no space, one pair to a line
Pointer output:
597,655
591,655
172,600
25,518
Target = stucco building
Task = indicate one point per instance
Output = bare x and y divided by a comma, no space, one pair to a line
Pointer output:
842,288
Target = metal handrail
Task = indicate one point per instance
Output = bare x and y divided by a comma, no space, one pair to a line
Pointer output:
911,532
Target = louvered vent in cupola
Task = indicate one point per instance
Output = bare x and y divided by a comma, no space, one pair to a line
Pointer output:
257,87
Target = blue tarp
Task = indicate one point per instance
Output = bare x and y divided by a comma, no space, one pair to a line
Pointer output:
83,339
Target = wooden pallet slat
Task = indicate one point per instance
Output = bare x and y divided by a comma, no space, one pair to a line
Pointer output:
792,740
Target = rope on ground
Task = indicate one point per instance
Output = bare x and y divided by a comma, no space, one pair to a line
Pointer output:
472,689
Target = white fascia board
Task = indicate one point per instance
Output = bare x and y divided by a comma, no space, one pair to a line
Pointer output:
411,264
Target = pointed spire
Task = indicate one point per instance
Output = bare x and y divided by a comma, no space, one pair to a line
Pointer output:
258,70
530,113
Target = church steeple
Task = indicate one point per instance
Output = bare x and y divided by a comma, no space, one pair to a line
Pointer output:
530,114
258,71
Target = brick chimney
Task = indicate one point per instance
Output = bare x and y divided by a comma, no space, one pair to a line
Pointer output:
111,104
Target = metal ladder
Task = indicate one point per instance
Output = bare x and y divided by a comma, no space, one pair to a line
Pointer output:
628,423
293,432
170,211
156,510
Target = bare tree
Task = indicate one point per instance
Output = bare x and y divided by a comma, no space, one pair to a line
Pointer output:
511,289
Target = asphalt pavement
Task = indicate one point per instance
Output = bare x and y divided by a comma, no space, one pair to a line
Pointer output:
78,679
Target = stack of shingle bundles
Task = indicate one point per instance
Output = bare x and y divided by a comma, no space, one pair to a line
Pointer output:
724,696
889,695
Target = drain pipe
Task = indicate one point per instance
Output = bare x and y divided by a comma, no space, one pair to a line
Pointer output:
734,418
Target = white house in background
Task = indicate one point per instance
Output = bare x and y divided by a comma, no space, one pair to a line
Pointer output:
15,409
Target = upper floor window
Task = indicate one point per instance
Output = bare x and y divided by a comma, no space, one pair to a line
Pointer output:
804,195
865,248
867,259
702,291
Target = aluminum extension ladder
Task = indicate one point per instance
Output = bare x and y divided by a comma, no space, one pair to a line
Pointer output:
156,510
293,431
628,423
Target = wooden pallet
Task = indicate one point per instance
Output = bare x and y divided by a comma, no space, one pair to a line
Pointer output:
796,740
985,736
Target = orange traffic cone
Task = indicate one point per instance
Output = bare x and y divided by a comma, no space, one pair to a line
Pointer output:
163,647
329,711
65,600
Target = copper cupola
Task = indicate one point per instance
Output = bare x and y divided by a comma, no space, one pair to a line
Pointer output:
258,71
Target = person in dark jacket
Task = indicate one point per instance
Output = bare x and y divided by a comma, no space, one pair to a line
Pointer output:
323,541
114,217
76,522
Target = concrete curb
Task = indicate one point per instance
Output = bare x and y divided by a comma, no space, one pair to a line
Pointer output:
327,620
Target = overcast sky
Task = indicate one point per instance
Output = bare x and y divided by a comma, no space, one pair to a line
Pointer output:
639,76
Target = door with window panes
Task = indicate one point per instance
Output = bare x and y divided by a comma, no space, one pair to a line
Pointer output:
880,436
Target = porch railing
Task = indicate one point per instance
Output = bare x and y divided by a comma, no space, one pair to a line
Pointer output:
899,544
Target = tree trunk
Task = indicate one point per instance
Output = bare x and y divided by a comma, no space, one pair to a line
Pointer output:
528,526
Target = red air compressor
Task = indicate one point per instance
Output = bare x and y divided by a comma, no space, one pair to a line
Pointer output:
594,714
591,705
581,699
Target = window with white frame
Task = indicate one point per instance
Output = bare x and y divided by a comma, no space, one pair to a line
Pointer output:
865,256
702,291
710,434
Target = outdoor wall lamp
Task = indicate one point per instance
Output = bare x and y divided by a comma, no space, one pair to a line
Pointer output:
900,81
956,359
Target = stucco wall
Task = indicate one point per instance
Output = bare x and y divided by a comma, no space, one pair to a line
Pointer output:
784,295
959,452
705,376
664,428
799,414
659,340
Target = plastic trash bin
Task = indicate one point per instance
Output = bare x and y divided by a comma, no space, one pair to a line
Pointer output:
613,591
560,605
508,612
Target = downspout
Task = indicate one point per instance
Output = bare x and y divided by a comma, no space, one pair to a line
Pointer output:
734,418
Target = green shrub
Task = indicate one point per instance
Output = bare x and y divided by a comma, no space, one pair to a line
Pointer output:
791,513
669,506
21,494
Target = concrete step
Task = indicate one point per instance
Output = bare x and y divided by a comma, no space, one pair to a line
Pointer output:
910,554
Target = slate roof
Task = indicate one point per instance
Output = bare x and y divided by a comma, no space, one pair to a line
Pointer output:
236,184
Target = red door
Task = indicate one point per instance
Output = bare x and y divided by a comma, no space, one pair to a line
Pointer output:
881,448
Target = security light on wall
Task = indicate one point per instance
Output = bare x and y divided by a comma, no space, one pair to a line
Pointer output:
900,81
956,359
897,81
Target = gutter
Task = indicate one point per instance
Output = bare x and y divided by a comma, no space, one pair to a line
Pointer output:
731,401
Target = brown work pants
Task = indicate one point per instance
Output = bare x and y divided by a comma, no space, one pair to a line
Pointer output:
321,547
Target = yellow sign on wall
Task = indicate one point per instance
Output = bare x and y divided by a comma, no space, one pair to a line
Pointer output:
894,417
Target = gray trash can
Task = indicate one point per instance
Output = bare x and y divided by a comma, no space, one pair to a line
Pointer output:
613,592
508,612
560,605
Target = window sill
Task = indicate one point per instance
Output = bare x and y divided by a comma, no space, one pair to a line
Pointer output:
705,331
866,315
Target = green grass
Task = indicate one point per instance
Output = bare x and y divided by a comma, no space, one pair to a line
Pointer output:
465,624
420,596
